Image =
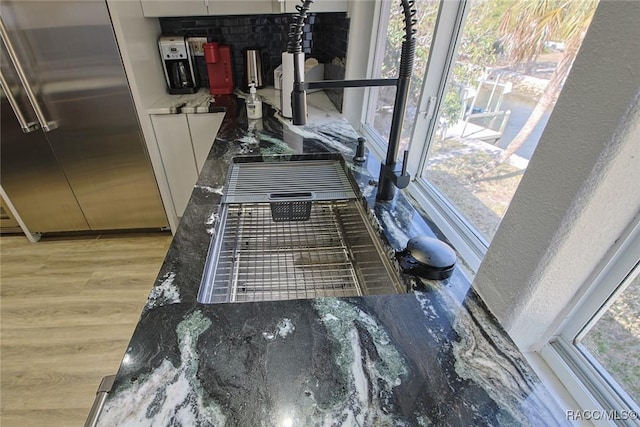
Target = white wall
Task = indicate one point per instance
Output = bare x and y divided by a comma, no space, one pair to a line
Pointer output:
581,188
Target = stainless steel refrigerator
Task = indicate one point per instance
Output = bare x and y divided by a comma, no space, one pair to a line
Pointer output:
72,154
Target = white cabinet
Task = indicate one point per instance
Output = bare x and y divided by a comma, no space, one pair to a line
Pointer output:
153,8
289,6
203,129
174,142
184,141
244,7
156,8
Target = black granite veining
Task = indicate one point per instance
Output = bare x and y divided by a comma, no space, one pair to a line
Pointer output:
433,357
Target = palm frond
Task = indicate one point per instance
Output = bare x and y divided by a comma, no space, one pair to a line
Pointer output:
527,26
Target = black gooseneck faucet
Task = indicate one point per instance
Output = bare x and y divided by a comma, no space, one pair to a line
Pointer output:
389,179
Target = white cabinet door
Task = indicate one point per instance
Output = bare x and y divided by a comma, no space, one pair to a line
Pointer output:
289,6
153,8
244,7
203,128
174,143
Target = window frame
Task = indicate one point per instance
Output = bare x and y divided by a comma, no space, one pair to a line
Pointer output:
576,372
590,387
452,14
377,143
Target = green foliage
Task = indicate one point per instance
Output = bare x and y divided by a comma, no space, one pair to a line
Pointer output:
494,31
477,47
527,26
427,11
452,108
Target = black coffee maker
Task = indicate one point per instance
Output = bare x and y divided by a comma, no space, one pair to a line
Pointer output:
177,63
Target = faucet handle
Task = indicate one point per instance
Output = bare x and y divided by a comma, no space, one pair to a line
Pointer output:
405,160
402,181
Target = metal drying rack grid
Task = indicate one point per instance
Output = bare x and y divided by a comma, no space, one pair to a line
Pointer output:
260,259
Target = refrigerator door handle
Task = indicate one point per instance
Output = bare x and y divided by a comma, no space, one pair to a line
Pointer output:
101,396
24,124
44,123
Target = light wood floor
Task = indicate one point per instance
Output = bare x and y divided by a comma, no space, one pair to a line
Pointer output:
67,311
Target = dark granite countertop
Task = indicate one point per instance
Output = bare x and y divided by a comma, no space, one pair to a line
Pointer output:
431,357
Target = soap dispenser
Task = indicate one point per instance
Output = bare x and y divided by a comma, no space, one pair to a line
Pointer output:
254,103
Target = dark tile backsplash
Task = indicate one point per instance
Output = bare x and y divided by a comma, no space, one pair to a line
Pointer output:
325,38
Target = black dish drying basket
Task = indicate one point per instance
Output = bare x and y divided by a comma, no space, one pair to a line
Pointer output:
295,210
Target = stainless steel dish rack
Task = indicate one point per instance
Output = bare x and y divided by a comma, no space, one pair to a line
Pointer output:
320,243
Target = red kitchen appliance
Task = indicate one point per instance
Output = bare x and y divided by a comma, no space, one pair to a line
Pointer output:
218,59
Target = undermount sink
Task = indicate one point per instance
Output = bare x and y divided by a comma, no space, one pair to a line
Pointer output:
293,229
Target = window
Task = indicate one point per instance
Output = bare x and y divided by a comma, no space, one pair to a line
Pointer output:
612,341
595,353
492,76
387,61
486,77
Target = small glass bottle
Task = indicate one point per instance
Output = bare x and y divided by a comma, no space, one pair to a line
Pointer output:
254,103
